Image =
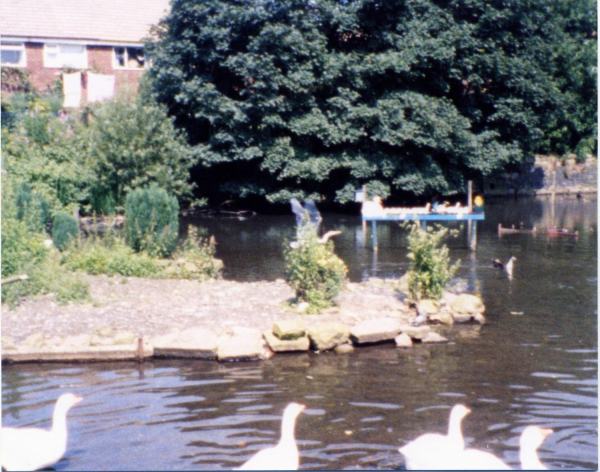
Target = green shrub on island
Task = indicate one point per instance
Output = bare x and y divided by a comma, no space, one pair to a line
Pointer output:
47,275
195,259
430,268
110,256
313,270
32,208
65,228
152,221
24,253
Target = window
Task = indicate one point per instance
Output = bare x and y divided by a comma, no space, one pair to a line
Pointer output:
65,55
13,54
129,58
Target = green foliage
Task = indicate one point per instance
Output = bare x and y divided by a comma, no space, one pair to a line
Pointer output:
23,252
22,246
91,161
430,268
131,145
65,228
195,259
313,270
32,208
48,276
15,80
48,154
111,256
295,97
152,221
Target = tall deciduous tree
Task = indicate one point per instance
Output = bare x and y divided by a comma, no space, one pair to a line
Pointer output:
285,98
133,144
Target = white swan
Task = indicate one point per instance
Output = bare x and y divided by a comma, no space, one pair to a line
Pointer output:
283,456
34,448
431,451
474,459
532,438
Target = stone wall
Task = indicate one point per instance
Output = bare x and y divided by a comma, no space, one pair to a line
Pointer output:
544,175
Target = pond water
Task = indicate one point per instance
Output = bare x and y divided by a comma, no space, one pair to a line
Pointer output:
534,362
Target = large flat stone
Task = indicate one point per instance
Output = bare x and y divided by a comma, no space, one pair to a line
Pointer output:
289,329
374,331
197,343
442,317
283,345
428,306
344,349
324,336
432,338
90,353
459,318
466,304
240,348
415,332
403,340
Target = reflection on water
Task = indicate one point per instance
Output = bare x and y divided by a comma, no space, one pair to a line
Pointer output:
537,365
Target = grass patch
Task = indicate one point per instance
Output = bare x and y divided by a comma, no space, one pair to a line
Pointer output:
110,256
48,276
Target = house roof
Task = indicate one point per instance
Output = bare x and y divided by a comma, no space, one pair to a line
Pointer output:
116,21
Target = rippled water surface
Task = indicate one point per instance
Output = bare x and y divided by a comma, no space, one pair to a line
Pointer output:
534,362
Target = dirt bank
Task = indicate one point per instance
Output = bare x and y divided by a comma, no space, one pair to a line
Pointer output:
153,307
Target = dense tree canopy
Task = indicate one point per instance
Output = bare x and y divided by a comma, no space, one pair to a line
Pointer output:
285,98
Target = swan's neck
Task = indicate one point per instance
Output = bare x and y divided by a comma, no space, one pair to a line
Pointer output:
455,431
530,459
59,421
287,430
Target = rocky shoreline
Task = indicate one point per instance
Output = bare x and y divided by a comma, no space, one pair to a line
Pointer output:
135,319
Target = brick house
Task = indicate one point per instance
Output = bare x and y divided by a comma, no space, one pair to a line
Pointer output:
46,37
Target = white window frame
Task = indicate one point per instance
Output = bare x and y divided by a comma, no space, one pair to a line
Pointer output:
53,59
14,46
116,63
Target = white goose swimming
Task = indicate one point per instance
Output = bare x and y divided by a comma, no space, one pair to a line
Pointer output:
532,437
474,459
431,451
34,448
283,456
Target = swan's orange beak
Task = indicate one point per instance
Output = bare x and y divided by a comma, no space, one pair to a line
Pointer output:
302,407
77,399
546,432
468,410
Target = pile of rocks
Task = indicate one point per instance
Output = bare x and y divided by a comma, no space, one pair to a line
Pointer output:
241,343
453,308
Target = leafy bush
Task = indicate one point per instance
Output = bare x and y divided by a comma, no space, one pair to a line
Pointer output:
48,276
32,208
21,248
195,259
110,256
313,270
132,145
23,252
152,221
430,269
50,155
65,228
